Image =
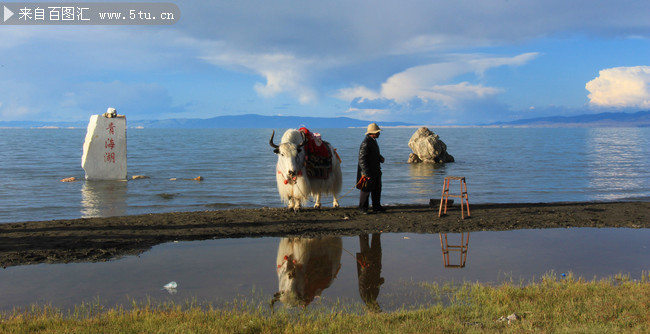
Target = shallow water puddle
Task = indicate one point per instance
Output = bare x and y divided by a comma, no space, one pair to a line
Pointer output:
381,270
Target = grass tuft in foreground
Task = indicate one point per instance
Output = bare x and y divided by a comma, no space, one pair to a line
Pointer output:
567,304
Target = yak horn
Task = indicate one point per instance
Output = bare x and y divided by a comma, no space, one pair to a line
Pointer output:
304,140
271,141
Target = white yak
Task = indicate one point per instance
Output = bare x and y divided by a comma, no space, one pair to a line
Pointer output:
294,184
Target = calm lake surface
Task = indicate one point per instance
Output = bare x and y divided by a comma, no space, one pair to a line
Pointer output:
217,271
501,165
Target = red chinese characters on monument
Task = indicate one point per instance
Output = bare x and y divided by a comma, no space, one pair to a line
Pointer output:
111,128
109,145
109,157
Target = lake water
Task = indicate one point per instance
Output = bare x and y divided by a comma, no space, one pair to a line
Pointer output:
238,166
500,164
217,271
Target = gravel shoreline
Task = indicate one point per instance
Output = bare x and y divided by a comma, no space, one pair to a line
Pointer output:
102,239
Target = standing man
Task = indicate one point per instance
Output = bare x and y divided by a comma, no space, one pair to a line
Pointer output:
369,171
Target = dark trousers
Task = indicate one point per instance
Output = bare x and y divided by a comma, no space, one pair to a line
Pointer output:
376,198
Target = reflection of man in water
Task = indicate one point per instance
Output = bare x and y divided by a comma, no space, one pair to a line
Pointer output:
369,270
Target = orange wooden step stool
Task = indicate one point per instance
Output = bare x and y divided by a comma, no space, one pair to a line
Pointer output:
464,200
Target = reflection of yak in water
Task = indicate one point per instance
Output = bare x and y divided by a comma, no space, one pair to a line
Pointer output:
306,267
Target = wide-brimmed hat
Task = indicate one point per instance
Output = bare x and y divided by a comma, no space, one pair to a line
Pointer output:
373,128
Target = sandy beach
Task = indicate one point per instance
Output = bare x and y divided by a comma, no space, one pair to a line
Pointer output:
102,239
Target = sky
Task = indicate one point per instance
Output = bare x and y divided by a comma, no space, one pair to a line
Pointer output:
436,62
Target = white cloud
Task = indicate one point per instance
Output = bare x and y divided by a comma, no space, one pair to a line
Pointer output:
349,94
480,65
366,113
621,87
285,77
451,95
431,82
283,72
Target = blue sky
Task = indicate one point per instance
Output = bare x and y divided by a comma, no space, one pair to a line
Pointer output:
434,62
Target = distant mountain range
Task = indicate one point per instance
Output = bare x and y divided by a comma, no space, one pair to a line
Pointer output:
260,121
608,119
234,121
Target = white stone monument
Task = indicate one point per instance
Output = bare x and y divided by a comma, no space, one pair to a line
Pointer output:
104,155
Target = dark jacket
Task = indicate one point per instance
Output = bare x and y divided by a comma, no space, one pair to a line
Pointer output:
369,161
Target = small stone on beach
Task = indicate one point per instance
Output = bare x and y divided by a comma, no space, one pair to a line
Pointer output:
510,318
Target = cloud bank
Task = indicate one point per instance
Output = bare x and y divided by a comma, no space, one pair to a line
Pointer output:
430,87
621,87
386,58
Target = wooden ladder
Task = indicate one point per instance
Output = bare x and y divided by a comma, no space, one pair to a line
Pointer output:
464,200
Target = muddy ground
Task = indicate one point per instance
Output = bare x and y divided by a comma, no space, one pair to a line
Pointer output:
102,239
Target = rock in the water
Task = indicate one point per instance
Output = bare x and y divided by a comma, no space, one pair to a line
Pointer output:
414,159
427,147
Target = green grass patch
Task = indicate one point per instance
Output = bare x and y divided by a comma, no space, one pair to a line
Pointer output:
552,304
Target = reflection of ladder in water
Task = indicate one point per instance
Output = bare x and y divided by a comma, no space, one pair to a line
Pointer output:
462,249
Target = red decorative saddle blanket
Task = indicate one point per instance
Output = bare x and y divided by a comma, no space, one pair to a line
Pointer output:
318,158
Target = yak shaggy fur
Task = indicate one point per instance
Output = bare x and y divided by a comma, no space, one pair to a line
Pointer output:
294,186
